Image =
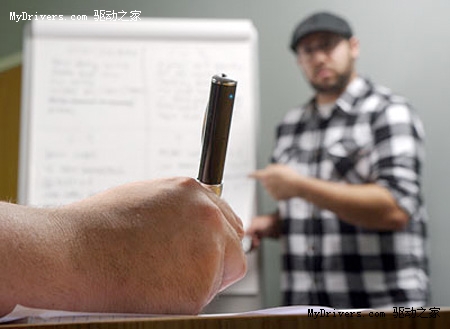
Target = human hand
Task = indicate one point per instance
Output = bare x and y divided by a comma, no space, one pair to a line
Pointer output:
168,246
162,246
280,181
263,226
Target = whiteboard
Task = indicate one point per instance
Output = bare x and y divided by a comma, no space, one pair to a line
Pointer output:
105,103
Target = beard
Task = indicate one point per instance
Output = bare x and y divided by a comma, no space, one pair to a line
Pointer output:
336,87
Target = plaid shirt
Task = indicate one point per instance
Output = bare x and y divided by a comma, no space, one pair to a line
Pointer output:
371,136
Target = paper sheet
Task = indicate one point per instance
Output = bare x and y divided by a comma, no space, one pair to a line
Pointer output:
31,315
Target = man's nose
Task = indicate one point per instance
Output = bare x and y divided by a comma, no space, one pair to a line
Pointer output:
318,56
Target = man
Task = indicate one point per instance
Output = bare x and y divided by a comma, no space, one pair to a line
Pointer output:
164,246
346,172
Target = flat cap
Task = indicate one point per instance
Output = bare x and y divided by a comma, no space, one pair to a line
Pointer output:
320,22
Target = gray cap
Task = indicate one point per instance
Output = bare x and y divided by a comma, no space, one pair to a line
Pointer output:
320,22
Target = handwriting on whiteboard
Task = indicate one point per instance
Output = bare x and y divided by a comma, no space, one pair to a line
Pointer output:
106,113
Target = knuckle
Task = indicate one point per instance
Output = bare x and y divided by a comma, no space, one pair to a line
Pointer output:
188,182
213,215
240,230
209,214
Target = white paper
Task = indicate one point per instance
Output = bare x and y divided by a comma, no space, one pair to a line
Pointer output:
31,315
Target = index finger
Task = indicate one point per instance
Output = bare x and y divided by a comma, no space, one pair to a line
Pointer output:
257,174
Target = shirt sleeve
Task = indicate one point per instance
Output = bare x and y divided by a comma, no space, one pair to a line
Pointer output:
399,155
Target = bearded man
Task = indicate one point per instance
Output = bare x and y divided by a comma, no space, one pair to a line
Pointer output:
346,172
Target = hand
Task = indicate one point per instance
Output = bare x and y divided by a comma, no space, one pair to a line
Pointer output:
169,246
263,226
163,246
280,181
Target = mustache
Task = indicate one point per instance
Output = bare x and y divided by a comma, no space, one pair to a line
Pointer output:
320,68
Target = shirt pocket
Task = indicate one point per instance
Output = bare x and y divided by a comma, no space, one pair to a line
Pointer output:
350,161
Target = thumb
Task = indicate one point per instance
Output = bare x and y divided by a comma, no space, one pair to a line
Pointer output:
257,174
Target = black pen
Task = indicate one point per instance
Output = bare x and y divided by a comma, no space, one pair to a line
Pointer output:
216,129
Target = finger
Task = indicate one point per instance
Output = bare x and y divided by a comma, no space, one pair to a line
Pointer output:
256,241
229,214
257,174
235,262
250,230
255,225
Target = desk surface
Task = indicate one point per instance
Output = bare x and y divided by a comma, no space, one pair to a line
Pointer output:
419,320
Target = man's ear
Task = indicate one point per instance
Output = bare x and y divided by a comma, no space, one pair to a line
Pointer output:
300,65
354,47
299,61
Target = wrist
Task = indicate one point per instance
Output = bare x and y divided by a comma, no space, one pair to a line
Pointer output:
301,186
82,259
35,248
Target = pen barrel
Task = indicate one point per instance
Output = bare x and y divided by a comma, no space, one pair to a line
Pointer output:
216,130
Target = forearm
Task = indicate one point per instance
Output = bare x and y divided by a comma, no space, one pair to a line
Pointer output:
68,258
367,205
35,258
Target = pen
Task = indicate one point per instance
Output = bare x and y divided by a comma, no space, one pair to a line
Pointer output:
216,129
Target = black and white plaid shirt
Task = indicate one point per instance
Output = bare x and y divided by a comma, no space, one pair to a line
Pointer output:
370,136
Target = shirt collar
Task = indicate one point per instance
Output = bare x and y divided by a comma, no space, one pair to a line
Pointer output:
358,88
